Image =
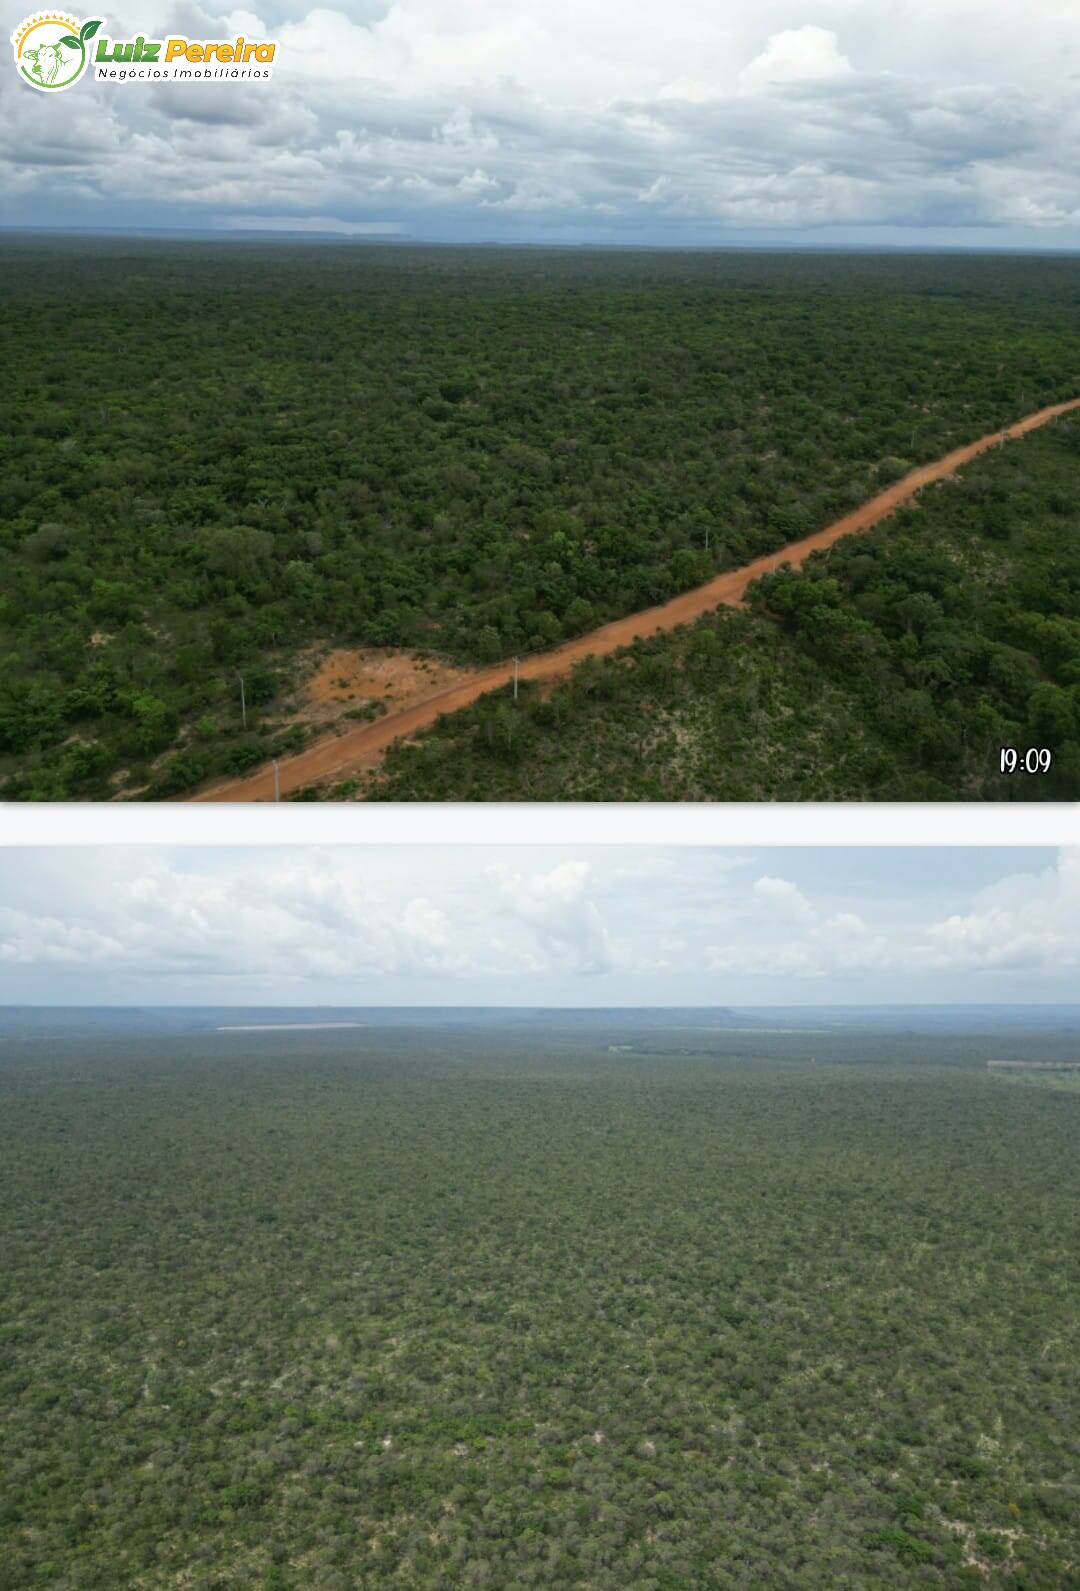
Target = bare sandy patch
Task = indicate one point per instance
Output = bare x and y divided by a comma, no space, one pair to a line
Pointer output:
345,679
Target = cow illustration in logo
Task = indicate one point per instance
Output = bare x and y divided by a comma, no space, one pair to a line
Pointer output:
46,64
50,49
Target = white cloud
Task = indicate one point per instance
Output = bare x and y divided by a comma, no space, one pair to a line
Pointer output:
611,925
782,896
1024,923
428,928
776,961
458,130
690,89
26,941
477,182
286,923
556,906
1019,923
798,55
601,120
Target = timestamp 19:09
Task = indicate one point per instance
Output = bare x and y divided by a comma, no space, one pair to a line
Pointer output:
1035,760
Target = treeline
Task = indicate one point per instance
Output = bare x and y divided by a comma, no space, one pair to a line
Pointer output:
895,666
234,451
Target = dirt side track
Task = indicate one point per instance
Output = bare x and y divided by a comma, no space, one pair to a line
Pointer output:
362,747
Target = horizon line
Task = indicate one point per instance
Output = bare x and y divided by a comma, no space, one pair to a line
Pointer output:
838,1005
286,235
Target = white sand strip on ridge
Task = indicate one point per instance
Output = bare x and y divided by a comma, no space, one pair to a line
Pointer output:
288,1027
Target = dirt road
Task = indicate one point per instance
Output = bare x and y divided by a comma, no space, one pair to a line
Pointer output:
363,747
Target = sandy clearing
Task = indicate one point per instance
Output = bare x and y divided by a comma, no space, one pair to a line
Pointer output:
288,1027
348,677
363,747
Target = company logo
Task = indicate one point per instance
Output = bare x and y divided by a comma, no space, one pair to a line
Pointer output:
51,50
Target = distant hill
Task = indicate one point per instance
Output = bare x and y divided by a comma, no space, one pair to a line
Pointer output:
41,1021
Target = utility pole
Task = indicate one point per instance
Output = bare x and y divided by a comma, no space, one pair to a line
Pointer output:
515,678
277,782
243,701
707,528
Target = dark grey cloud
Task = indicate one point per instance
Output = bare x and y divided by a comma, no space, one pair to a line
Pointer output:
464,117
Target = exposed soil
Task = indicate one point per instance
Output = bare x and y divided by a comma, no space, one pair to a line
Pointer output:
452,689
345,680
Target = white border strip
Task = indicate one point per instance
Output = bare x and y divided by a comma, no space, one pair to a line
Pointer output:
631,823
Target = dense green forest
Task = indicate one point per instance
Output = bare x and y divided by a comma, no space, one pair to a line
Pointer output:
223,453
894,666
476,1308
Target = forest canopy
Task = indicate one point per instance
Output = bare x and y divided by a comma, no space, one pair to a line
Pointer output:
230,451
477,1308
894,666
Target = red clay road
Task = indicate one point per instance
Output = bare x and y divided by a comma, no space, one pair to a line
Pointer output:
335,754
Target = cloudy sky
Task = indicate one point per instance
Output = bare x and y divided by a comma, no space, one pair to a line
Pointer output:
694,121
602,926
